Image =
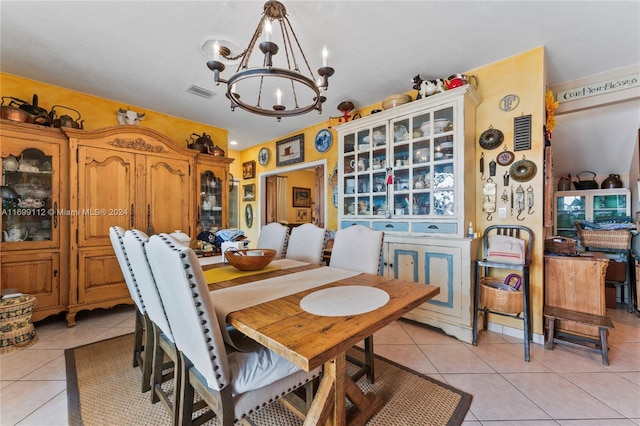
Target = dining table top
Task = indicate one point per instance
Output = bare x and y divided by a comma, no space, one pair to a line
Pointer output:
309,340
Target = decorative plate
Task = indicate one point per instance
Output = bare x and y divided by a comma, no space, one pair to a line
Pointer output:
324,138
523,170
263,156
505,157
491,138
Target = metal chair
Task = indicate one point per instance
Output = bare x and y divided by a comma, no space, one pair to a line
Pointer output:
141,357
306,243
274,236
359,248
483,268
161,342
228,382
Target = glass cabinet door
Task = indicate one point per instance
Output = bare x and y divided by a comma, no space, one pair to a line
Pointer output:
609,206
569,208
27,192
365,163
423,165
211,199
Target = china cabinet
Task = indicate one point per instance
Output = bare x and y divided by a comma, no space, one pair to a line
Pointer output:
410,172
34,235
215,185
595,204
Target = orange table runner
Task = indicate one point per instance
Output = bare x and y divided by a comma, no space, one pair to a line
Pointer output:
227,273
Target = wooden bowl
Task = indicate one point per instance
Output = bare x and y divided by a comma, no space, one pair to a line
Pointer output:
241,260
395,100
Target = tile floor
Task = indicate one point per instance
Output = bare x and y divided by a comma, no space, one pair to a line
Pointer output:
566,386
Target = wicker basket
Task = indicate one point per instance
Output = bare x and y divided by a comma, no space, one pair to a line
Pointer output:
613,239
16,328
561,245
500,300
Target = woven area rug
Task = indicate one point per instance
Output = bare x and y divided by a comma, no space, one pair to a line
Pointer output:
104,389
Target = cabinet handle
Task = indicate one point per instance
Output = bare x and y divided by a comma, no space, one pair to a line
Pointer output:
55,214
55,272
133,215
391,265
433,227
149,227
388,225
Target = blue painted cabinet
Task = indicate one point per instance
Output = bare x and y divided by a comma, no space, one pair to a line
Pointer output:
443,262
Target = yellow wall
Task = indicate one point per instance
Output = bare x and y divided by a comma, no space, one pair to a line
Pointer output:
98,112
523,75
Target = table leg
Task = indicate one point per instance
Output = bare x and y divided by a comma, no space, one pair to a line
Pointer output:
329,405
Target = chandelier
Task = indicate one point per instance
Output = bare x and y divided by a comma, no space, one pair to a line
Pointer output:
263,87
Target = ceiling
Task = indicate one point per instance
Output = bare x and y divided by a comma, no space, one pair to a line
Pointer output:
148,53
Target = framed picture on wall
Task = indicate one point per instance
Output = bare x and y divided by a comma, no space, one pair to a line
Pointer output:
290,150
301,197
248,170
249,192
302,215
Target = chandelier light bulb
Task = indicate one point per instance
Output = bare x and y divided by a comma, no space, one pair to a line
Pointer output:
278,97
267,30
325,57
216,51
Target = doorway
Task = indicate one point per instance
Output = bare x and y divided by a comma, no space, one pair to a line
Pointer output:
266,192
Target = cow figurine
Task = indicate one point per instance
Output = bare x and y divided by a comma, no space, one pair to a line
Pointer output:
427,87
127,116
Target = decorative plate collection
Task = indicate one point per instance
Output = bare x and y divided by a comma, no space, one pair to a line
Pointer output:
323,141
263,156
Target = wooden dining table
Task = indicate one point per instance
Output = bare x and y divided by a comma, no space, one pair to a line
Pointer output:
309,340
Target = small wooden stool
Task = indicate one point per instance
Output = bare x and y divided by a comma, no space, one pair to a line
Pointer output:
16,328
553,313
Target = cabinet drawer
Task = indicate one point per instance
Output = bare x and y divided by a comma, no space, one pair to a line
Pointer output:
348,223
391,226
435,228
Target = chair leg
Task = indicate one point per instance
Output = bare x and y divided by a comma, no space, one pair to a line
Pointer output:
476,299
158,362
187,392
147,363
138,336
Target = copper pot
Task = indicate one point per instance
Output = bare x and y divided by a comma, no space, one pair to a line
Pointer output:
12,110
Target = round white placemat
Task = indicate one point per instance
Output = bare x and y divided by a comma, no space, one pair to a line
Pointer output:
345,300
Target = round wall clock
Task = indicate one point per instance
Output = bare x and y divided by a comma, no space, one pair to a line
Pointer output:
324,138
263,156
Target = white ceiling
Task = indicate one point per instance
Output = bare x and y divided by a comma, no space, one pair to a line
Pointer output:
147,54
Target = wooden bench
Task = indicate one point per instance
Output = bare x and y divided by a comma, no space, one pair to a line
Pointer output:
553,313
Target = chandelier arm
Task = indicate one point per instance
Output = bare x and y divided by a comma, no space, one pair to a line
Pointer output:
244,63
295,37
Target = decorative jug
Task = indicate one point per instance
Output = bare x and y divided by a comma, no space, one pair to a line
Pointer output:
613,181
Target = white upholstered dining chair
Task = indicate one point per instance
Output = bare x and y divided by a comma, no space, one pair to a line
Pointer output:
233,384
162,340
306,243
274,236
359,248
142,343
